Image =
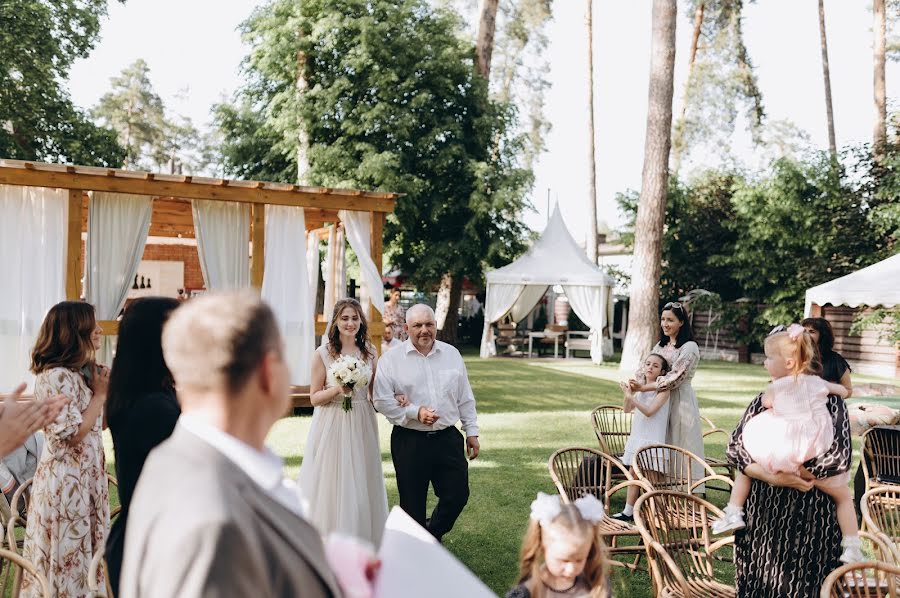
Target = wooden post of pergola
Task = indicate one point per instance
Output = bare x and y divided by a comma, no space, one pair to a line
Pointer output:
172,215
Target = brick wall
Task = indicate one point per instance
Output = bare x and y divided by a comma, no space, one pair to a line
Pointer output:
193,276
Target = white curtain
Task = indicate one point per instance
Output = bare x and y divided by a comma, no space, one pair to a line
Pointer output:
335,274
286,286
33,224
312,268
118,224
531,294
223,241
589,304
499,300
359,234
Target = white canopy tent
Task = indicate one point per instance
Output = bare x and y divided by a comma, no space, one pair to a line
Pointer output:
554,259
879,284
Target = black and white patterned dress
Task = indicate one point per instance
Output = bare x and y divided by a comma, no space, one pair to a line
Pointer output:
792,540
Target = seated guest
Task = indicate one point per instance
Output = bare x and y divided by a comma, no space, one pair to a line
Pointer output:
388,341
19,466
212,514
18,421
141,408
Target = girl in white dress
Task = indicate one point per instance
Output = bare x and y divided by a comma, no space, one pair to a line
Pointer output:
648,424
341,480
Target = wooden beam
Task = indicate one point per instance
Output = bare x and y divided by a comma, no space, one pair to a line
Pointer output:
258,238
110,327
74,267
245,192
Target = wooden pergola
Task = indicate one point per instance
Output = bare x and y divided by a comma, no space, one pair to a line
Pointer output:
172,215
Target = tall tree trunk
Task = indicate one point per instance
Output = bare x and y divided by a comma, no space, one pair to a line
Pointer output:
592,164
826,74
643,322
302,135
447,312
484,43
678,140
879,136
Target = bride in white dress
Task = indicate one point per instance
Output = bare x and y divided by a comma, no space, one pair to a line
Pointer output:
341,481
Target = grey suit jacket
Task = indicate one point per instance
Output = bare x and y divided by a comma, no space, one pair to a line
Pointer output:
199,526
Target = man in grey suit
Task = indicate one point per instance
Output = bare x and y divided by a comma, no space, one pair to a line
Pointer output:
212,514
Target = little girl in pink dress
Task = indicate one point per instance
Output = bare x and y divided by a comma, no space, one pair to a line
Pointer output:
795,427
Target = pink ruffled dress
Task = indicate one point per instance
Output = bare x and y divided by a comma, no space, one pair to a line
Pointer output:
797,428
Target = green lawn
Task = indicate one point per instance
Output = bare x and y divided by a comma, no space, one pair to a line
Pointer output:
527,409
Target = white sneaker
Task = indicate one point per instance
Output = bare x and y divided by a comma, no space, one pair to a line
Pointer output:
852,551
732,520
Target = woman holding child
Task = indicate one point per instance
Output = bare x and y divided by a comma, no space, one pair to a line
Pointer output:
676,345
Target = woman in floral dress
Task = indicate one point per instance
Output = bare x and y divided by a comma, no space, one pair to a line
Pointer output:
395,315
68,517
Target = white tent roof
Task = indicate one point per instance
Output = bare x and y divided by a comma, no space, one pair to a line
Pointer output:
555,258
879,284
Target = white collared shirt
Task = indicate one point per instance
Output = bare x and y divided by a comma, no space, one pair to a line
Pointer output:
265,468
438,380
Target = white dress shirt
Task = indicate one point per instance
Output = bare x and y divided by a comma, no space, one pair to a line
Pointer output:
385,347
438,381
265,468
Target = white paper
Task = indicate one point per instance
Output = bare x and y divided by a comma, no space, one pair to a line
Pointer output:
414,565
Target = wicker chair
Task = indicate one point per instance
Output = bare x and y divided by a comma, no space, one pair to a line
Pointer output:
113,511
881,515
863,580
879,547
98,561
580,471
11,566
675,528
667,467
881,457
612,426
714,462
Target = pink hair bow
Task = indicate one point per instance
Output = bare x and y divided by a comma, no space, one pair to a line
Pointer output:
795,330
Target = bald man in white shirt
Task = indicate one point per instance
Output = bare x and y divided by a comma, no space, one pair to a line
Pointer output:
422,387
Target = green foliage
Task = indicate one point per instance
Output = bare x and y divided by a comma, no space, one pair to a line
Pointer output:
801,226
390,102
886,321
698,234
721,83
39,41
249,147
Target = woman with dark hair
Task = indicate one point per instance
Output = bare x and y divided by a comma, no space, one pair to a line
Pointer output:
141,409
834,367
676,344
68,517
341,480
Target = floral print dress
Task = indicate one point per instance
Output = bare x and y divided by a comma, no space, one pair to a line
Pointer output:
68,517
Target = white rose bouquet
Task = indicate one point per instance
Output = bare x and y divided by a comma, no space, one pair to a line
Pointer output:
351,372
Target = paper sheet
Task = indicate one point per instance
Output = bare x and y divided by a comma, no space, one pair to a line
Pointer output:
414,565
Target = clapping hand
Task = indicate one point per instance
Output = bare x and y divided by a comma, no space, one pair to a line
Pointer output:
18,421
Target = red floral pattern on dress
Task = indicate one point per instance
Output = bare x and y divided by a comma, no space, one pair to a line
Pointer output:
68,517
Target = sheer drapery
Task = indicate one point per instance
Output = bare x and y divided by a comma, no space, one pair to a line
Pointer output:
312,268
335,273
499,300
589,304
531,294
286,286
118,224
359,233
223,240
33,223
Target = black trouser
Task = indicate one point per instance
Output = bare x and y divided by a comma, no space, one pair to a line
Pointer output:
437,458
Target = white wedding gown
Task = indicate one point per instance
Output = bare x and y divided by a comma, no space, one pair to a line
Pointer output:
341,481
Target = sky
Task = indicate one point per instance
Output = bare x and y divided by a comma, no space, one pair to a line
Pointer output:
194,53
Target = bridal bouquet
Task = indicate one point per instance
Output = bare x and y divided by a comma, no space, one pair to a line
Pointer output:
351,372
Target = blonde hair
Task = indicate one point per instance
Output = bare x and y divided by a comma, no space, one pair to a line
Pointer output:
569,519
216,341
801,349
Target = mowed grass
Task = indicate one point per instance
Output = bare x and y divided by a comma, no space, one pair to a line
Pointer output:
526,410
